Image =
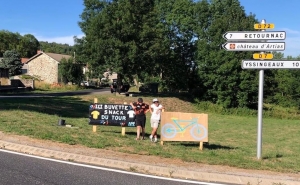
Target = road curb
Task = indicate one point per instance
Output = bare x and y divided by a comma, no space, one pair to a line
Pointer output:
172,172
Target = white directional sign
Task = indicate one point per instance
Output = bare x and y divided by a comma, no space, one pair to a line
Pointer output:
271,64
254,46
255,35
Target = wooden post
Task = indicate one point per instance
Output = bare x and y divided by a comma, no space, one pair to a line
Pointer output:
123,131
162,142
123,128
95,126
201,145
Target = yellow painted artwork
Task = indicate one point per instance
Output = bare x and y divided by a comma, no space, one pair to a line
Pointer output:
95,114
178,126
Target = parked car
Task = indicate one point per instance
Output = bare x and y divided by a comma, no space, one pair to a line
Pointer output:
123,88
113,86
88,83
85,83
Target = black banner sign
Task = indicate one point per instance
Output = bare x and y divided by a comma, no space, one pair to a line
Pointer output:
111,115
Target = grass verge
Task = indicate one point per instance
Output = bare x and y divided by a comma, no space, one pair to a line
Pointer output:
232,139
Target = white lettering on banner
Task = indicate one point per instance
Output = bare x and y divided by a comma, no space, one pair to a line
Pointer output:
131,124
122,118
104,116
98,106
113,112
116,107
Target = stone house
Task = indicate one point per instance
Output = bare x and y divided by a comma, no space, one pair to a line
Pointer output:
45,66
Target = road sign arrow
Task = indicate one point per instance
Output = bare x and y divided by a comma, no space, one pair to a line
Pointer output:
224,46
225,36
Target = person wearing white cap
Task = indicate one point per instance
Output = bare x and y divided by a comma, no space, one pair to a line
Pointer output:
155,110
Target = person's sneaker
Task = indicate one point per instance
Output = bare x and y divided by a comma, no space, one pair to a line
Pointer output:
155,140
151,138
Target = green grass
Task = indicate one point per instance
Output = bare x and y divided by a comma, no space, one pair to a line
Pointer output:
232,139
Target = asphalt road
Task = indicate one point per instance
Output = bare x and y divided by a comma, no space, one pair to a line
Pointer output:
69,93
19,169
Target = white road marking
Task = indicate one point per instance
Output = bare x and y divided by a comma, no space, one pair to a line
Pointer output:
112,170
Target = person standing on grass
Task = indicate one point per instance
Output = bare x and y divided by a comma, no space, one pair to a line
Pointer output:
155,109
140,108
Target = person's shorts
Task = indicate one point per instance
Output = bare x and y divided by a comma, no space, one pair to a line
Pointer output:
154,123
140,122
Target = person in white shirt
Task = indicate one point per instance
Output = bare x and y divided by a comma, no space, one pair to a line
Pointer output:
155,109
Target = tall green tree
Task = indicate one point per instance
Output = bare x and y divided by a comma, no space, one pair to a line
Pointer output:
223,80
54,47
287,91
176,25
119,36
8,41
28,46
12,61
70,71
25,45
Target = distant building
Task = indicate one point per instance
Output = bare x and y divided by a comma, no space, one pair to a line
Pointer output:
45,66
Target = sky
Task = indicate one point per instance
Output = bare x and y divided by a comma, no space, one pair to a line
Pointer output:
57,20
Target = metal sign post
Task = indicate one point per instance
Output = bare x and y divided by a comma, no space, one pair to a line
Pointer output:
260,108
235,44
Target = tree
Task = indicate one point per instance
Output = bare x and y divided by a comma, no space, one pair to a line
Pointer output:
223,80
287,91
56,48
87,48
177,44
12,61
8,41
69,71
28,45
119,36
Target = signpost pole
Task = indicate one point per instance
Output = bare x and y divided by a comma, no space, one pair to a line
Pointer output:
260,108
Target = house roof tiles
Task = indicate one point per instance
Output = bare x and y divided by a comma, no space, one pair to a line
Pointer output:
55,56
58,57
24,60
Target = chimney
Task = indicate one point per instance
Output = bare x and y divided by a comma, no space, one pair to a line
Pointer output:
39,51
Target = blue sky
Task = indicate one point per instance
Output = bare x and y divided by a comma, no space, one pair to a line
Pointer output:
47,20
57,20
284,14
